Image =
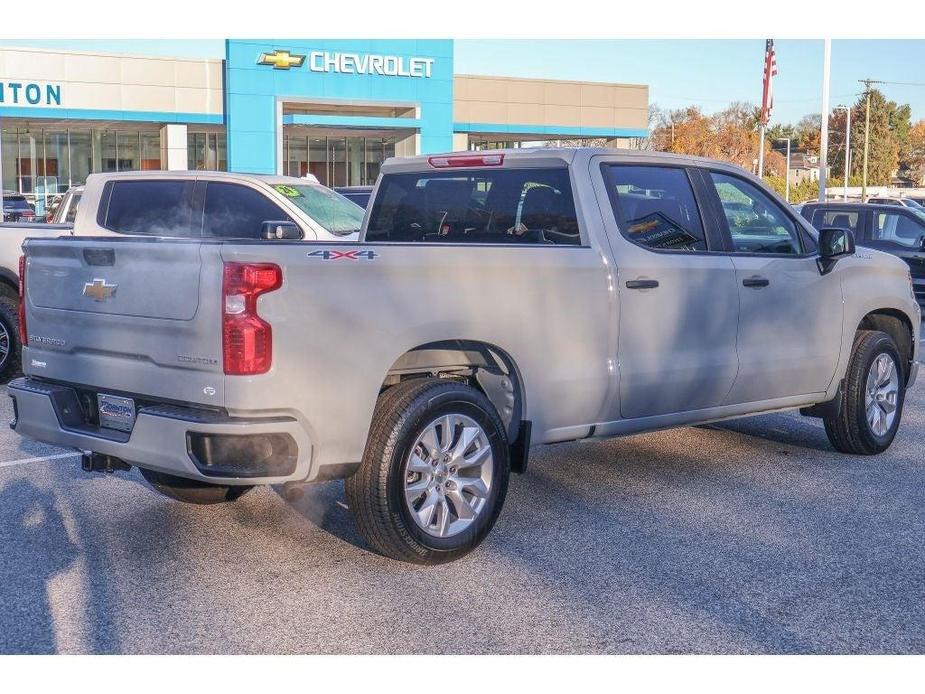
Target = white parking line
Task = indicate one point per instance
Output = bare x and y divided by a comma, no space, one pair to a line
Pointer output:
24,461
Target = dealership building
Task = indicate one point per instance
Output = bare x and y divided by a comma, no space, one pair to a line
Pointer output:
332,108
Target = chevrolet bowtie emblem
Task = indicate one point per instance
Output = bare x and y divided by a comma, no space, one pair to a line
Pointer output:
281,60
98,290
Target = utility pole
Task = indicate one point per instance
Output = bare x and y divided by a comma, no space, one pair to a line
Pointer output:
847,110
824,135
867,84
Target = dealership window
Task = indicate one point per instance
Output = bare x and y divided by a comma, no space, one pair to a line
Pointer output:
51,160
336,161
207,152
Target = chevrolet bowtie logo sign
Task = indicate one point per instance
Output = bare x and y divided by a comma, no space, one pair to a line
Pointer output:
281,60
99,290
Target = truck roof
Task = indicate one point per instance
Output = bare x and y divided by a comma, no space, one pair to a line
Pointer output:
228,175
559,156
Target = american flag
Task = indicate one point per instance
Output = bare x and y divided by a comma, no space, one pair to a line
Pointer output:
770,69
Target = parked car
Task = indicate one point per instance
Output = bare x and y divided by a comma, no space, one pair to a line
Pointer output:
177,204
897,230
899,202
494,301
66,210
16,208
358,194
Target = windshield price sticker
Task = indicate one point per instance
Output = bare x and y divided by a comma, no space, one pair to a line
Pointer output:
288,191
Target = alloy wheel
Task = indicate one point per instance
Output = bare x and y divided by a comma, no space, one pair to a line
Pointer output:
448,475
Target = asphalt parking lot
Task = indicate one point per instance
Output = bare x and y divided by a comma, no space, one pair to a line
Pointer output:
751,536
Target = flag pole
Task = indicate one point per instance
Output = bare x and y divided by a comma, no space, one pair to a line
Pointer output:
824,138
761,152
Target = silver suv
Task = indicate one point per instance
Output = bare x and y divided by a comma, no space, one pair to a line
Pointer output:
494,301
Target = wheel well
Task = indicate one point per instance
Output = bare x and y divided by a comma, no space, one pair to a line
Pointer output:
483,366
8,288
895,324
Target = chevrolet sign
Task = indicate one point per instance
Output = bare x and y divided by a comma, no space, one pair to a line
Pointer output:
351,63
281,60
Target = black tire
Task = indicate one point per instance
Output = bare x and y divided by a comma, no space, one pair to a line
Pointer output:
193,491
850,431
11,362
375,492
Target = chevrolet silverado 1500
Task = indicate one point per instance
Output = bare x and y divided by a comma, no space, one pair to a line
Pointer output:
494,301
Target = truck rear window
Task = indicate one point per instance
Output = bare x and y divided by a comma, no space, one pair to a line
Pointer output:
520,206
15,202
156,208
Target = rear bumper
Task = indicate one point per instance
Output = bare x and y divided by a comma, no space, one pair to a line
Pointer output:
184,441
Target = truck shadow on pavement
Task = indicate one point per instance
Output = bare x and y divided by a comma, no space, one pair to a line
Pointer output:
790,430
35,547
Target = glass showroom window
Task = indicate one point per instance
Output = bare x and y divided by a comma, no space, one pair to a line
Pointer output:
206,152
81,151
58,158
57,161
150,151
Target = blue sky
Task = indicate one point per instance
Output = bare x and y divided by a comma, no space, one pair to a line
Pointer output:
709,73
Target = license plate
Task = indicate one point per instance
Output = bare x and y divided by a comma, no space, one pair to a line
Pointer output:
115,412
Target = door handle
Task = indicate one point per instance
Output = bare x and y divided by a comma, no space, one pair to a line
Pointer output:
756,282
641,284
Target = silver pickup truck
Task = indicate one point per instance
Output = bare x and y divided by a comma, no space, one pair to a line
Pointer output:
186,204
495,301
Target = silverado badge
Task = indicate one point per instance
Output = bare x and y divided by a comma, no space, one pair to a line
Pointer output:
99,290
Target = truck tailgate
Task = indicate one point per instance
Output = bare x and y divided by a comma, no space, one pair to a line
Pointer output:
129,315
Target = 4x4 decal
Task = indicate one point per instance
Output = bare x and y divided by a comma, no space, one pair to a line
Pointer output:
355,254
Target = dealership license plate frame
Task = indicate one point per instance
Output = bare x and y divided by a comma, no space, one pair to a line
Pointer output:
116,412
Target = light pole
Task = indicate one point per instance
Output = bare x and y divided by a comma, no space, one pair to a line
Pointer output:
847,110
787,175
824,134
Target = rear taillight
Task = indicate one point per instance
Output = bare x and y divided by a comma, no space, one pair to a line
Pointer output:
23,335
247,340
464,160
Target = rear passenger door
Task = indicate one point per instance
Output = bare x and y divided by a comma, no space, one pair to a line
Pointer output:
790,315
678,302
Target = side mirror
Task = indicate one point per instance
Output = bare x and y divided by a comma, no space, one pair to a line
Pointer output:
834,244
284,231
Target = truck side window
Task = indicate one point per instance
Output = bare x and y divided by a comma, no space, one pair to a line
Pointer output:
838,219
154,208
236,211
898,228
655,207
512,206
71,214
756,223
